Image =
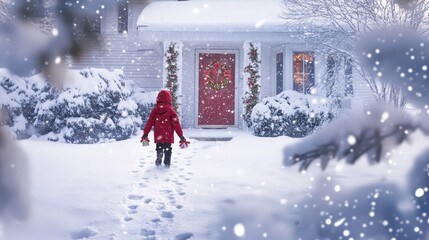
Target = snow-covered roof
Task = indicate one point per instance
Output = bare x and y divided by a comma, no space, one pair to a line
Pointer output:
213,15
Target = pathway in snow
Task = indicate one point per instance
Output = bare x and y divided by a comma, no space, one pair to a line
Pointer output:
157,195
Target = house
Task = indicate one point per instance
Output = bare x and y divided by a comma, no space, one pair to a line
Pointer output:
212,40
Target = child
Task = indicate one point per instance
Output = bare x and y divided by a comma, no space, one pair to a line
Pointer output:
165,121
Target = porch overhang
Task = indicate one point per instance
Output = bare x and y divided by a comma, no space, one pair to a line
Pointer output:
213,16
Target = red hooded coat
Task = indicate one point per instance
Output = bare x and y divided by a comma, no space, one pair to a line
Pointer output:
164,120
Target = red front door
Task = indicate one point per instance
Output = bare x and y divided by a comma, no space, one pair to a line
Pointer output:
216,92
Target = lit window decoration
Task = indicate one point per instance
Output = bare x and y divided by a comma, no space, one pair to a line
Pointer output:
303,71
217,76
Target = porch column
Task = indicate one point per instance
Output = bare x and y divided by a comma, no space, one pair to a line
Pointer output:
172,71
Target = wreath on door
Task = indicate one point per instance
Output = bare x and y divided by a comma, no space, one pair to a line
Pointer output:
217,76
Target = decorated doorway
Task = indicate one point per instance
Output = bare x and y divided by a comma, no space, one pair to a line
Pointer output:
216,89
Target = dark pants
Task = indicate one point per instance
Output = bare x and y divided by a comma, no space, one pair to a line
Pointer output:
163,149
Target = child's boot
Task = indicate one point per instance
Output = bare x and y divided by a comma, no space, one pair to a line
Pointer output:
159,154
167,159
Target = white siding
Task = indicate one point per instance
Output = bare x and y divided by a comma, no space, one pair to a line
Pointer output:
363,96
142,64
266,67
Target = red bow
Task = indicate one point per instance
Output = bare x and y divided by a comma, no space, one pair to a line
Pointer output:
184,144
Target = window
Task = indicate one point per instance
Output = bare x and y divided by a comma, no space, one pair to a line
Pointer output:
279,73
303,71
123,16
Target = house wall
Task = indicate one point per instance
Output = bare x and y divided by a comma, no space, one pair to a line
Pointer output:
266,73
140,63
363,96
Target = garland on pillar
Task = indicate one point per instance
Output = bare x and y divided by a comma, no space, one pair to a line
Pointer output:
172,81
251,96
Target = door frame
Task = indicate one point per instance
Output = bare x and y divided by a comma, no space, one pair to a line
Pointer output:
197,85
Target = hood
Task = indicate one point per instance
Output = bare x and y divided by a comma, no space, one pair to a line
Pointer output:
164,97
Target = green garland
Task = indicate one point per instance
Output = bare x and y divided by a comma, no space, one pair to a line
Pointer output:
212,81
251,96
172,79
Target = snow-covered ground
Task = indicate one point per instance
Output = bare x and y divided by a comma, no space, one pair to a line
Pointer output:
214,190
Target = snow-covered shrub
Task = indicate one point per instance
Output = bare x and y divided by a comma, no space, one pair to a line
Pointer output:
145,102
290,114
93,105
13,94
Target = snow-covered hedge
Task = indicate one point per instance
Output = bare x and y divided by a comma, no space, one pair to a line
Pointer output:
14,97
289,114
94,105
145,102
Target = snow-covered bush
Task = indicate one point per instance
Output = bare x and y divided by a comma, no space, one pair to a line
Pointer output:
94,105
13,95
290,114
145,102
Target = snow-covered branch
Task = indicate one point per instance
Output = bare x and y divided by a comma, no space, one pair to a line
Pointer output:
374,135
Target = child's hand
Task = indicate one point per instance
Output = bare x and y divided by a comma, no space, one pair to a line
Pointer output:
183,143
145,141
143,138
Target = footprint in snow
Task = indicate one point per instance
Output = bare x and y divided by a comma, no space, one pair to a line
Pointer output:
84,233
147,232
127,219
147,201
156,220
179,206
181,193
171,197
160,207
135,197
133,207
167,214
183,236
132,212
